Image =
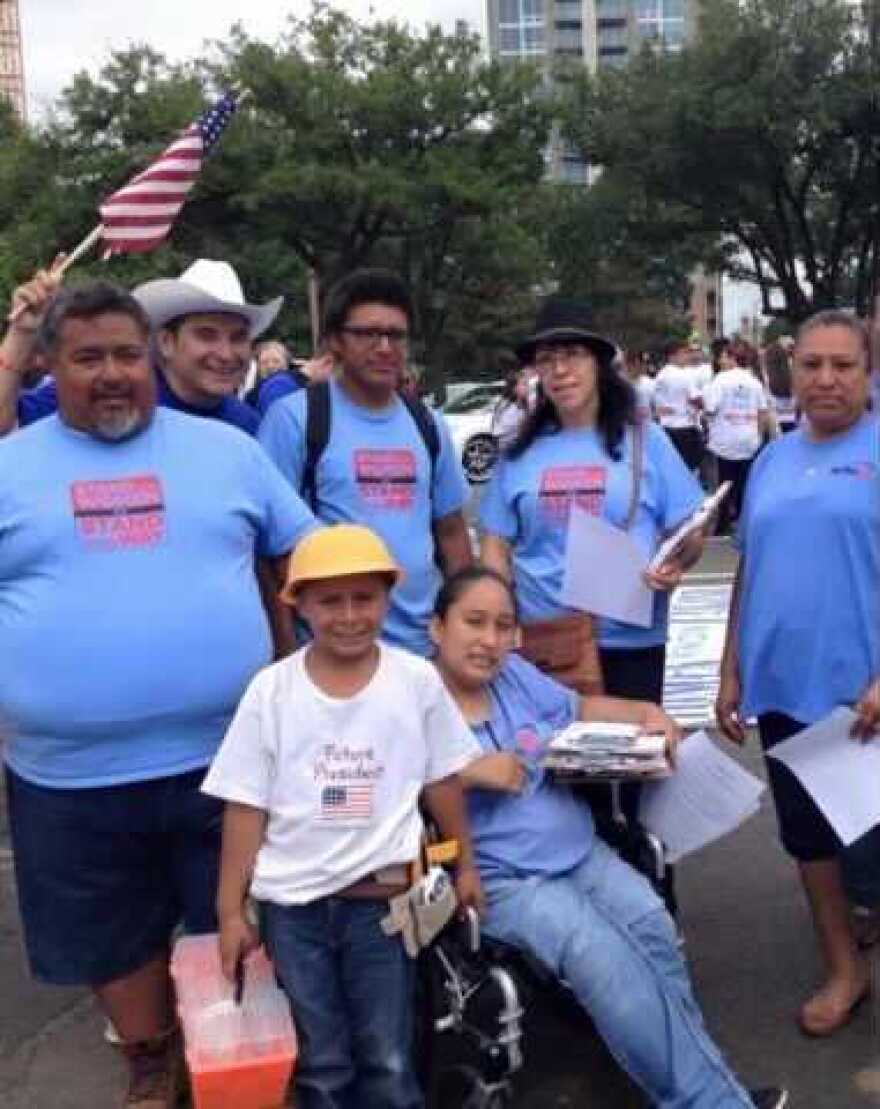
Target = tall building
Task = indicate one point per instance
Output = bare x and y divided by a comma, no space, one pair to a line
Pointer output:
592,32
11,60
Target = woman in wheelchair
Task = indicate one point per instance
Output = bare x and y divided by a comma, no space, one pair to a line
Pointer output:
553,889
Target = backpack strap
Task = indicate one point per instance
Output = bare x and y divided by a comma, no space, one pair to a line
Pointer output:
637,444
318,418
427,428
318,421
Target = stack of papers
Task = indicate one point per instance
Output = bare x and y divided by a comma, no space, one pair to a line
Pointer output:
606,752
708,796
698,619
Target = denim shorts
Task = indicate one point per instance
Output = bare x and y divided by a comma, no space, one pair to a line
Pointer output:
105,875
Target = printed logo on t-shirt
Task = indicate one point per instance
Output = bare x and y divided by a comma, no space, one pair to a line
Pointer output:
528,742
386,478
121,513
863,471
341,804
346,776
563,486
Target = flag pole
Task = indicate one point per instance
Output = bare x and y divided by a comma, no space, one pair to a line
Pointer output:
93,237
64,262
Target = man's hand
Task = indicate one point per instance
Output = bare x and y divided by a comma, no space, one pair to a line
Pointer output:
867,723
238,938
31,300
727,708
657,720
469,889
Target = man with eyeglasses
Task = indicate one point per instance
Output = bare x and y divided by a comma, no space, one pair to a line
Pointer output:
384,462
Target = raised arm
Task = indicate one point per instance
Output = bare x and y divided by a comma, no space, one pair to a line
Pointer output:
27,311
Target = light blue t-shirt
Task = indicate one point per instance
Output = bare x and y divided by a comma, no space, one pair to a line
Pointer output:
545,829
375,470
809,623
130,616
529,501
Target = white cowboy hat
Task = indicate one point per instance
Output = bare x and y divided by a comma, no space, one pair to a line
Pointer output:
205,287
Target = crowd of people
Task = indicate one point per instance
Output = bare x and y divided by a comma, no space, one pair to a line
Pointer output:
245,644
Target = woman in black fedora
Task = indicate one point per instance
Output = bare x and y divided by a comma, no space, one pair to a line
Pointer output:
583,445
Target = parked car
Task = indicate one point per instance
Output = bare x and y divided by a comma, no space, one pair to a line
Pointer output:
469,416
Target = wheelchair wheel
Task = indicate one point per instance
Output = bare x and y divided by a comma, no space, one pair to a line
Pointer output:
465,1088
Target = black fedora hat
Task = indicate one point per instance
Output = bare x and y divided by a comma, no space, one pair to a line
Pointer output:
565,321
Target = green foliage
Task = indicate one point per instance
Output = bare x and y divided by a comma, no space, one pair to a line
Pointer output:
768,129
629,255
357,144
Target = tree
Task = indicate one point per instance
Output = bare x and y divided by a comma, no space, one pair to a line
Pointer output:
629,255
768,129
359,144
369,143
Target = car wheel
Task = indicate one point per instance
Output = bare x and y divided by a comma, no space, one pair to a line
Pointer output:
478,457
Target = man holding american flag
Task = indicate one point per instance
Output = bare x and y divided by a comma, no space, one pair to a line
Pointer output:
203,326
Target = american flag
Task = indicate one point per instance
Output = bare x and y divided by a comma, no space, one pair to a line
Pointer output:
138,216
346,802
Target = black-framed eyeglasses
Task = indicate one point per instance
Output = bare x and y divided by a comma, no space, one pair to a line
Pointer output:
396,336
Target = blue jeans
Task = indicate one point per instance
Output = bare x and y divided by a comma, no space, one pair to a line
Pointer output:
351,993
602,929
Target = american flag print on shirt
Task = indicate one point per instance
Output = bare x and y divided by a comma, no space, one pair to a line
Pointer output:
344,803
138,216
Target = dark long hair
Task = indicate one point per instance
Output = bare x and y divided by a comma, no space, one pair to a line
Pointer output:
617,411
455,587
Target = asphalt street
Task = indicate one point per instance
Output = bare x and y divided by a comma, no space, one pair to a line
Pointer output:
747,939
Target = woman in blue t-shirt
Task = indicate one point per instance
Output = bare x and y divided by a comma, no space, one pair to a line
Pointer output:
583,446
804,628
554,889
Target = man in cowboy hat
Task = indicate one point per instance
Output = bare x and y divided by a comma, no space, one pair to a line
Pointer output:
203,329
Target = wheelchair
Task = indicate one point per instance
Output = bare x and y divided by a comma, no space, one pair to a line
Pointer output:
473,991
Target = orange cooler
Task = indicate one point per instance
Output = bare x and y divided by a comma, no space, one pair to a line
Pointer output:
239,1056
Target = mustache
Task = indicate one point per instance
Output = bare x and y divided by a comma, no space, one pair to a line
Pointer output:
122,392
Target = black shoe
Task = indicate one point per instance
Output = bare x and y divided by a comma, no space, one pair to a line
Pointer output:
772,1098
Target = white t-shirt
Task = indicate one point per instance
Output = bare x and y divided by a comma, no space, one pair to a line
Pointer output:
339,778
732,402
674,394
702,374
644,387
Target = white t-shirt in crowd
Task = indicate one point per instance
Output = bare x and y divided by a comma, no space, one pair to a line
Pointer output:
644,387
339,778
703,375
675,392
732,403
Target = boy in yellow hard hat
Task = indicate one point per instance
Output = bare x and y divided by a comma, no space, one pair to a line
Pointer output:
323,769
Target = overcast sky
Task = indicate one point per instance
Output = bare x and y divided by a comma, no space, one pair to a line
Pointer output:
64,36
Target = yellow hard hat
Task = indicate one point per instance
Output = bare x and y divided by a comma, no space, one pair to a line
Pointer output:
335,552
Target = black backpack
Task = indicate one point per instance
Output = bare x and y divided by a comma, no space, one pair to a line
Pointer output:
318,421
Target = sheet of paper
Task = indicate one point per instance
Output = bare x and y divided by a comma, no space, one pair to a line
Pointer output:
707,796
603,572
841,774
